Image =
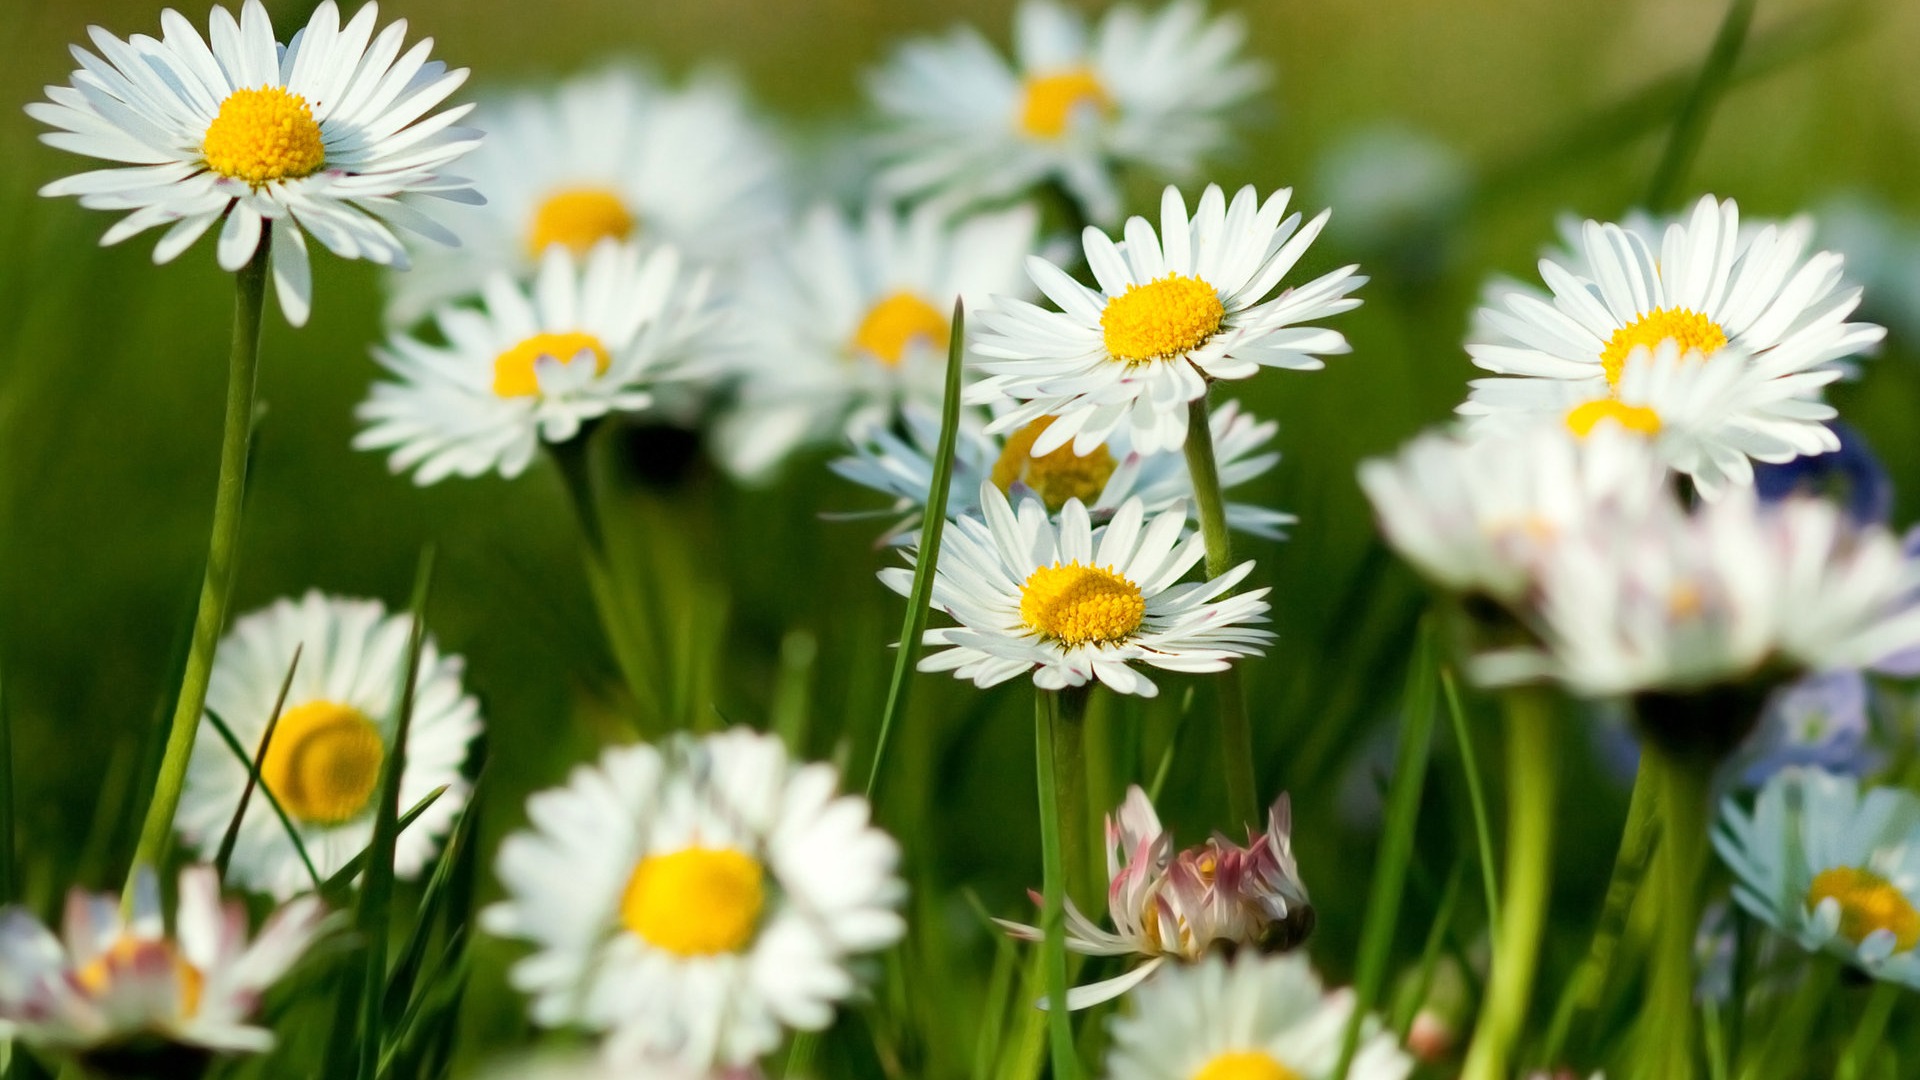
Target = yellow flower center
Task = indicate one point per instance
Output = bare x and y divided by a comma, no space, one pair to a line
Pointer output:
1690,329
696,901
264,135
1582,419
324,762
577,219
129,953
1161,319
1050,101
1868,902
894,324
1245,1065
514,371
1055,476
1076,605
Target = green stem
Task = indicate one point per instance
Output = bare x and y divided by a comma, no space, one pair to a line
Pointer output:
1684,780
1873,1024
1053,875
1690,125
575,469
216,588
1532,776
1070,777
1236,735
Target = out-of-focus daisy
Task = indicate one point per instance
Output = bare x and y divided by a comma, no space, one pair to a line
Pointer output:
116,991
698,900
1252,1018
848,320
1068,603
1181,906
1834,868
1142,89
590,337
610,155
902,465
336,730
1171,314
587,1067
321,136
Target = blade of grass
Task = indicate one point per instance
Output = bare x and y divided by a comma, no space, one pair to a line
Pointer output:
450,961
1476,795
225,854
1430,954
401,981
793,690
8,883
253,777
1690,123
338,889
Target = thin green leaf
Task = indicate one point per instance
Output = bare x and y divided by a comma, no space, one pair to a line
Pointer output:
449,963
225,854
1690,124
1430,954
338,889
253,774
401,981
1476,796
793,691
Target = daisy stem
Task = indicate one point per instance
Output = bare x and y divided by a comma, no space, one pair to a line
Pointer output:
1069,741
1532,777
572,459
1236,736
1684,781
1873,1024
1690,124
1053,876
216,588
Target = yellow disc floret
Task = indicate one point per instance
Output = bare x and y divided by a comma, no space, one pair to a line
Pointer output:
1245,1065
1081,605
264,135
1048,102
129,955
1689,329
514,373
1582,419
1055,476
577,219
324,762
1868,902
1161,319
894,324
695,901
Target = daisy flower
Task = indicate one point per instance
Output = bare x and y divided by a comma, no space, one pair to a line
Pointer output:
1171,314
112,988
323,764
1153,90
847,320
321,136
1183,906
902,465
1067,603
1252,1018
697,900
615,154
533,364
1832,867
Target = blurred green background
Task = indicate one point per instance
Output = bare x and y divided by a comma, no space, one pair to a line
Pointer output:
111,379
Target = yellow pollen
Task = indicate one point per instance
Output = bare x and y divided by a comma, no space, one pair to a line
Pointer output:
1078,605
1690,329
1055,476
1868,902
1050,101
1161,319
514,371
695,901
96,979
894,324
1582,419
577,219
324,762
264,135
1245,1065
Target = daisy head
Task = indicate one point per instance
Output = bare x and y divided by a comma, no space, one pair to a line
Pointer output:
1251,1018
1832,867
1142,89
1171,313
323,135
119,992
335,731
533,364
696,900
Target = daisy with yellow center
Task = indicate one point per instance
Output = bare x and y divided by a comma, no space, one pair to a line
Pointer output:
324,763
1172,313
1067,603
713,893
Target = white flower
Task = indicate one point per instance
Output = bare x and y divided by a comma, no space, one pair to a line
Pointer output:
610,155
111,982
1171,314
1254,1018
845,321
320,136
697,900
1141,89
336,730
901,465
1067,603
533,364
1836,869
